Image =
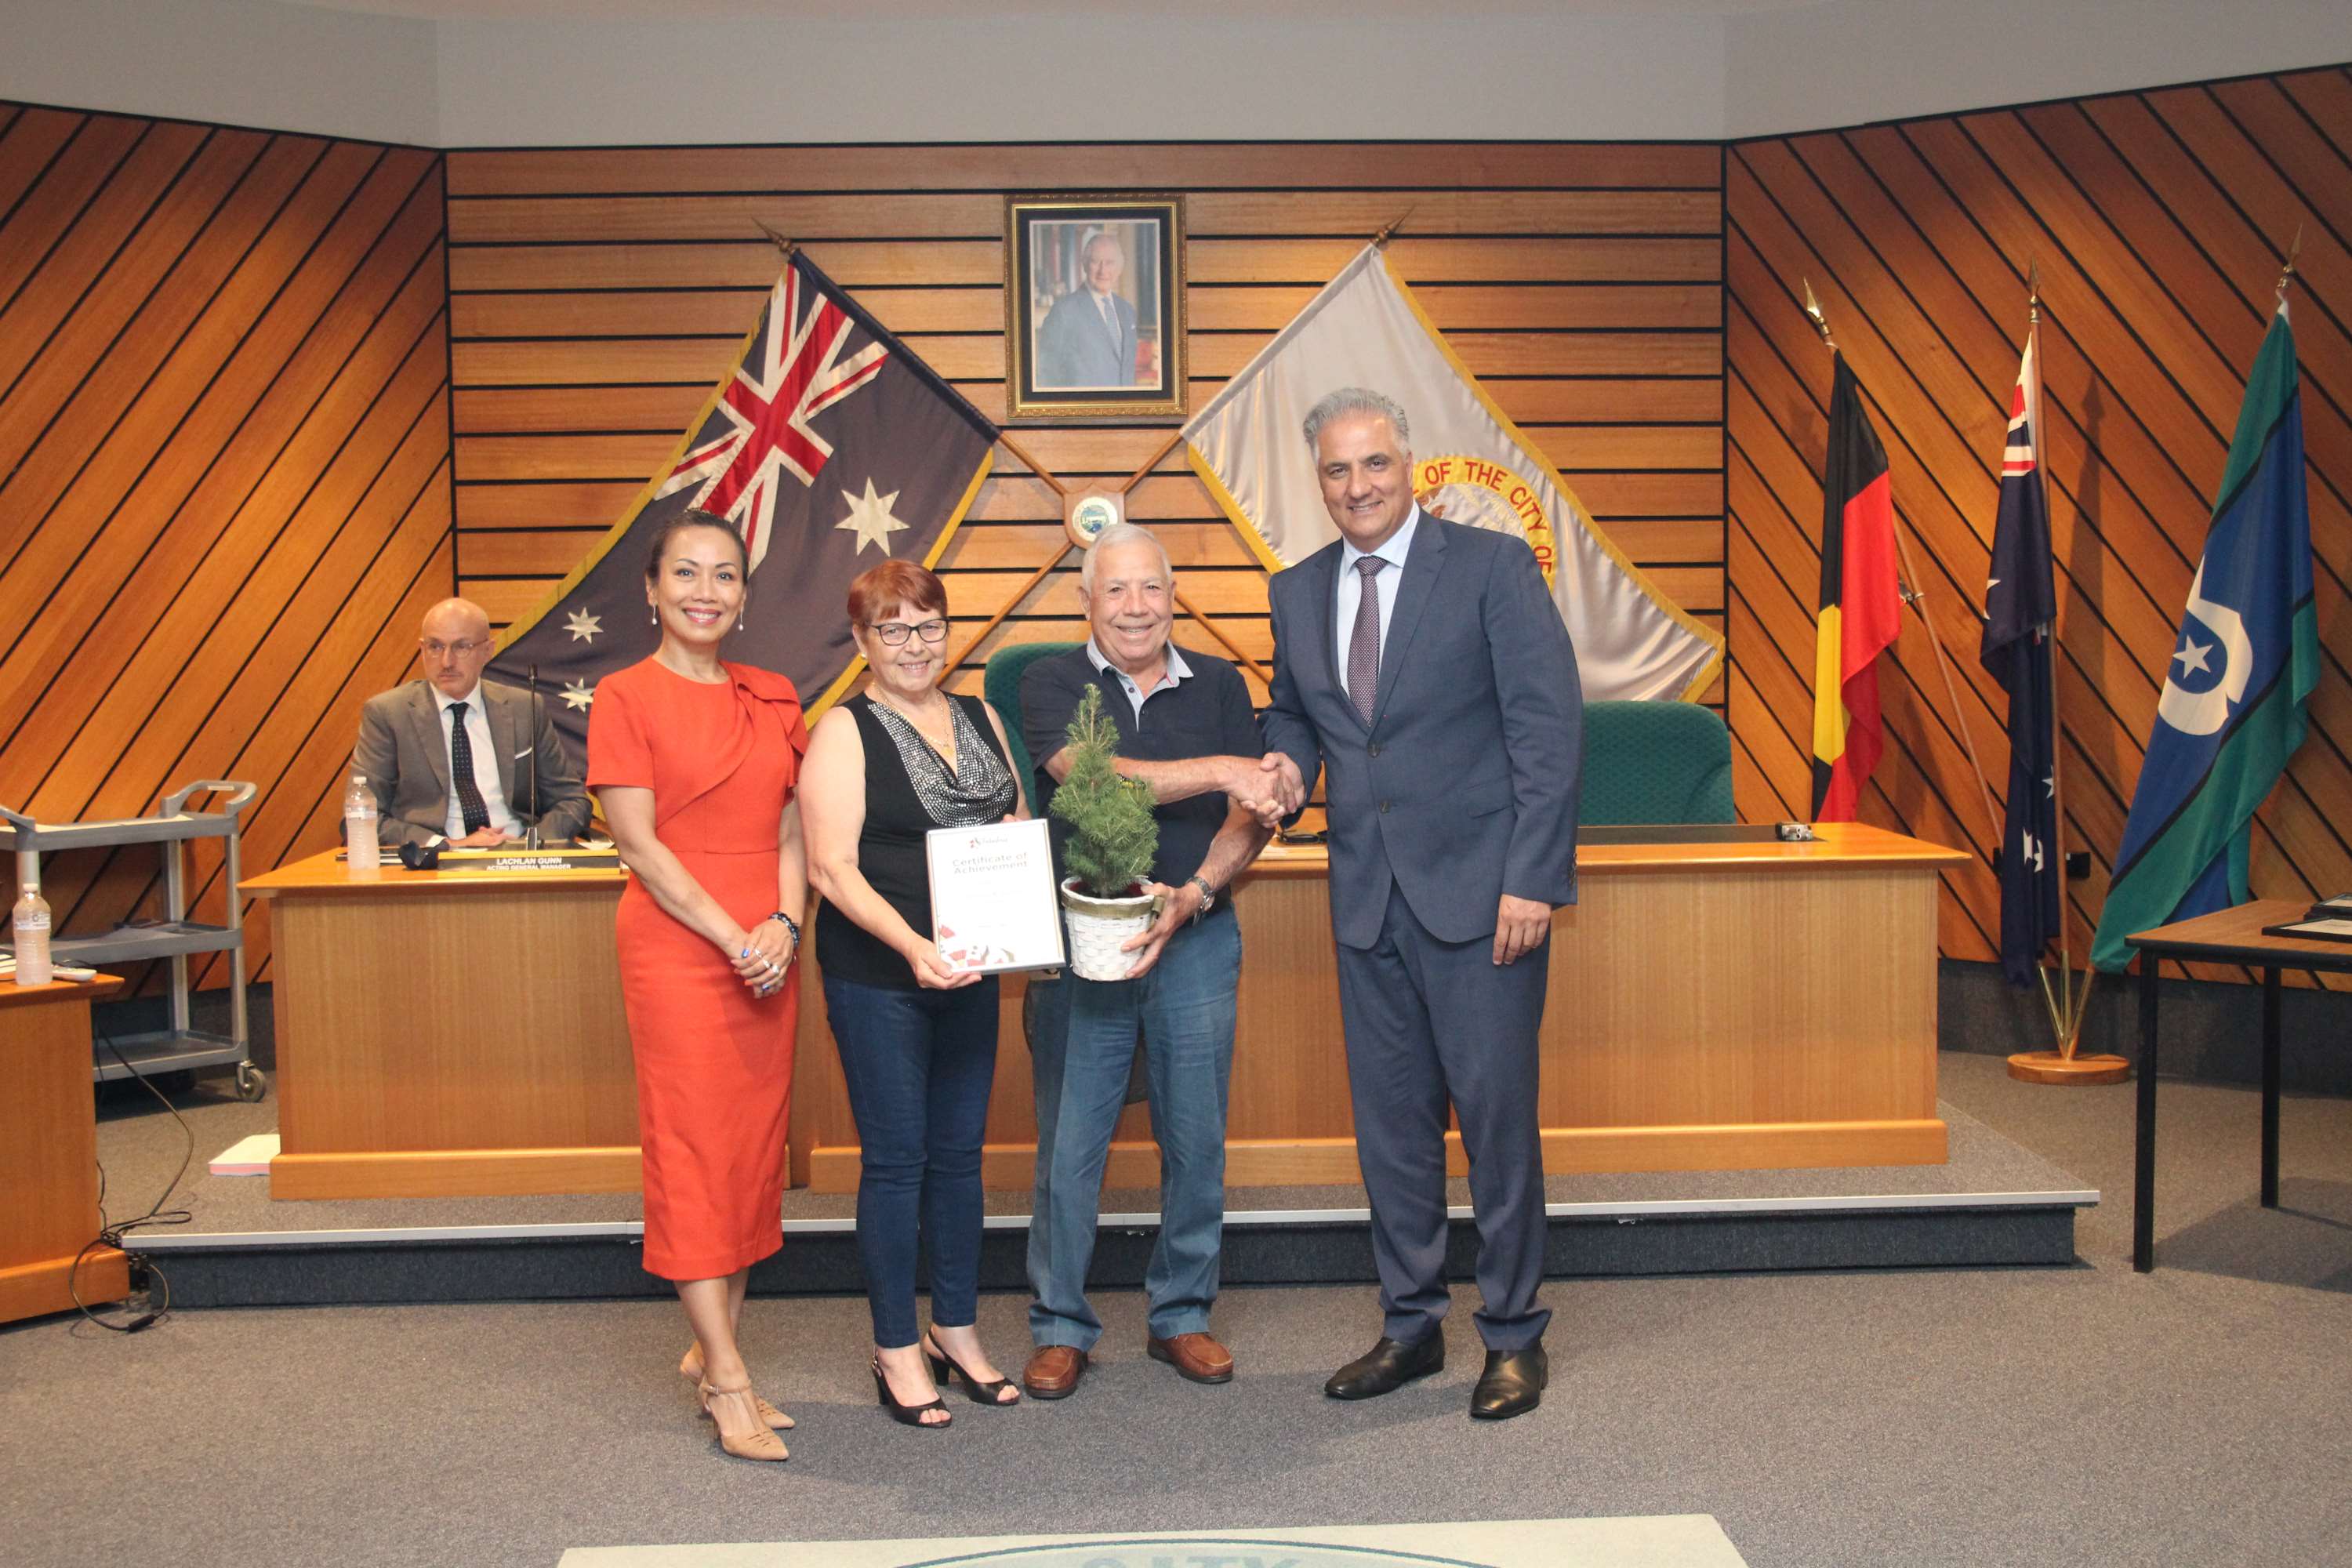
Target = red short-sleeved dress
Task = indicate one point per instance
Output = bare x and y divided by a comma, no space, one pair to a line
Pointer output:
714,1062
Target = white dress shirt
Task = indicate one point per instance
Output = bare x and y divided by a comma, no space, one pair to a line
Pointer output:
1384,583
486,764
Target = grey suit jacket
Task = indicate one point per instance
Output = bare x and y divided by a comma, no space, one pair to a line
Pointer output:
404,749
1074,349
1464,786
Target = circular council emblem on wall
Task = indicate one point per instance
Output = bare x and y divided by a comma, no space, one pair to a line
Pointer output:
1480,494
1185,1551
1089,514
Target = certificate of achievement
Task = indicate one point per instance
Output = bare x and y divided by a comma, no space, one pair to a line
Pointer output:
993,906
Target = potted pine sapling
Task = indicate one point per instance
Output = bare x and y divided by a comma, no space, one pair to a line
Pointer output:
1113,837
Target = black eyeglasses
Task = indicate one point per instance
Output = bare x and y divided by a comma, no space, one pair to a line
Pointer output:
894,633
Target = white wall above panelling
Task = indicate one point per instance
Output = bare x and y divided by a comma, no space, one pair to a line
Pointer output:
1846,62
235,62
1055,74
479,73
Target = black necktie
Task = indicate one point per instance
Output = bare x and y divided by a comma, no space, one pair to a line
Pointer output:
476,815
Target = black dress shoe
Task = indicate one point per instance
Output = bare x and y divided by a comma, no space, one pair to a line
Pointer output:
1512,1385
1387,1367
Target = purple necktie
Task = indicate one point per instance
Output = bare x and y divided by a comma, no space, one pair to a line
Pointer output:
1364,642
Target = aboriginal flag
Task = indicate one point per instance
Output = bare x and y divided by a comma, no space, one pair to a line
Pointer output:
1859,604
829,447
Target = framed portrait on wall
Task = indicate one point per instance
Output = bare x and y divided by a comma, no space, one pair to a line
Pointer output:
1093,291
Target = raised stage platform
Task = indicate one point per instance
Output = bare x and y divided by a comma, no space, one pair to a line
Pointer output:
1993,1204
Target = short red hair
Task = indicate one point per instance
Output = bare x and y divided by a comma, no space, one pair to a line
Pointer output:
895,584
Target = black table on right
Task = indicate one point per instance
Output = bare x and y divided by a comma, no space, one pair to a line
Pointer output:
2225,936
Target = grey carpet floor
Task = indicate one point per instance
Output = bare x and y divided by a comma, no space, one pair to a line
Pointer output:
2082,1416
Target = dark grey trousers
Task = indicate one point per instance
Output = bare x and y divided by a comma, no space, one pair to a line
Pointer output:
1429,1022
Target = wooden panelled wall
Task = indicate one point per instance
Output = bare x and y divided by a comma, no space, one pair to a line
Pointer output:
2158,219
223,472
597,294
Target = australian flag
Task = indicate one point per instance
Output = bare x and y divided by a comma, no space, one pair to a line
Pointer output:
831,448
2231,712
2021,605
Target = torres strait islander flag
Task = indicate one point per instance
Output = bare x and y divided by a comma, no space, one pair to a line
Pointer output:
2231,712
831,448
1860,606
1471,465
2021,606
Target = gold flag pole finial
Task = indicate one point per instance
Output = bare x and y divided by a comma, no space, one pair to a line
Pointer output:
1381,238
787,246
1821,321
2286,272
2033,292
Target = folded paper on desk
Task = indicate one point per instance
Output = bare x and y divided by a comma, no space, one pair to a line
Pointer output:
248,1156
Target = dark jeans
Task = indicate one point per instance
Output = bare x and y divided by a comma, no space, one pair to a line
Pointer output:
918,1065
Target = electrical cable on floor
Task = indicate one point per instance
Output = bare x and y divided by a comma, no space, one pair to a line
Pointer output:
111,1234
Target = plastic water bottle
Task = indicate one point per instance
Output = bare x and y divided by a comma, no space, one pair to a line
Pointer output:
360,847
32,932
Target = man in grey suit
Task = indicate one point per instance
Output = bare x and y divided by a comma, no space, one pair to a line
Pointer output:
1087,339
454,759
1421,665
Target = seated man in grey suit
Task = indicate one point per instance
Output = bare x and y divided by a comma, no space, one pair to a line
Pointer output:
448,755
1087,339
1422,667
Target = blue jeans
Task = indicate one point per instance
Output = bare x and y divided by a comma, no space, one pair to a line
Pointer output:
919,1065
1082,1048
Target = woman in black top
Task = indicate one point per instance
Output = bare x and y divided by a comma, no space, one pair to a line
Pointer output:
918,1039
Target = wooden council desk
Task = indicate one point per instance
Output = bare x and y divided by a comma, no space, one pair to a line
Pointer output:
48,1152
1712,1007
448,1034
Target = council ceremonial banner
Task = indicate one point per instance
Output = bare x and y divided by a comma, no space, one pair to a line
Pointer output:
831,448
2020,605
2231,712
1471,465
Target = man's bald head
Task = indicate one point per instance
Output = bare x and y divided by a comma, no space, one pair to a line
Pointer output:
453,646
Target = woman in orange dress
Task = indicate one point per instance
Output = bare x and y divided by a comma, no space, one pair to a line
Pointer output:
695,761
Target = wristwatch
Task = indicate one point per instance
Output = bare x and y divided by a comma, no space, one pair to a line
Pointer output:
1208,896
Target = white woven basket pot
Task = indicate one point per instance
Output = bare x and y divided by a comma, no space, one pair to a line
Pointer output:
1098,926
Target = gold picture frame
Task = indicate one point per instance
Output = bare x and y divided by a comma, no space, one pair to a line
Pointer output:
1093,307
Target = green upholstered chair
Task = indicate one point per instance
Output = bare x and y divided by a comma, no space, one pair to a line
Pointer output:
1000,684
1655,762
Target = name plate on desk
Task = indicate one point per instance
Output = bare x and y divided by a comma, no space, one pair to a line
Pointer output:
491,862
992,902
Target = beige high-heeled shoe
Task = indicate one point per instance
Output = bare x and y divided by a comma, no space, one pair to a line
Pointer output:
763,1444
690,1367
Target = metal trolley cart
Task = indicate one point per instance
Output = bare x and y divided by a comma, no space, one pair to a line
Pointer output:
179,1047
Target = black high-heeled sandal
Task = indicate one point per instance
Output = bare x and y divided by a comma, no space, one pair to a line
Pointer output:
945,1372
907,1414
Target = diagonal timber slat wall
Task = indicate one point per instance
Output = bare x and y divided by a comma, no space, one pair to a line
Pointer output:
223,473
2157,220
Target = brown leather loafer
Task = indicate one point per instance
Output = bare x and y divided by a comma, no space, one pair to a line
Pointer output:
1053,1373
1197,1357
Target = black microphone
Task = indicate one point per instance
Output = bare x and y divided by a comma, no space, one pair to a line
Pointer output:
530,839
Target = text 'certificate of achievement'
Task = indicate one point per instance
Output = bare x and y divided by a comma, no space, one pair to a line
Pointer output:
992,902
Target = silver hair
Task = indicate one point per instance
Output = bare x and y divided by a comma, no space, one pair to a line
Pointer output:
1357,400
1123,534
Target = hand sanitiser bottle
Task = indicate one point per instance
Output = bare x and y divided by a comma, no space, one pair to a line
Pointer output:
359,829
32,935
